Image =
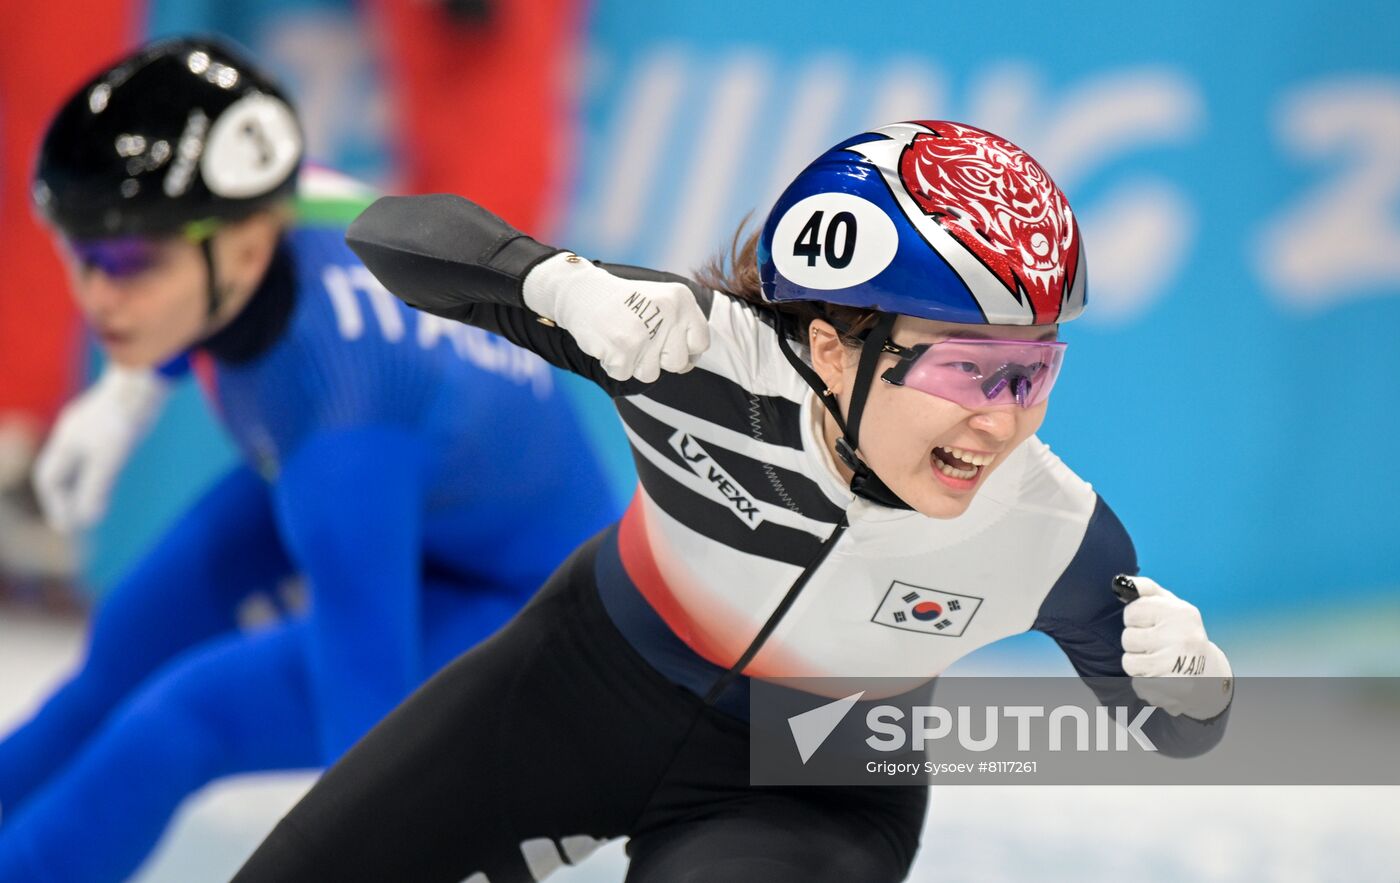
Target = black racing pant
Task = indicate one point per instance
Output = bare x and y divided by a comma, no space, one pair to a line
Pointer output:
554,734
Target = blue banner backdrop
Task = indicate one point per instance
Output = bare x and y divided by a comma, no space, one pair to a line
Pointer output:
1232,390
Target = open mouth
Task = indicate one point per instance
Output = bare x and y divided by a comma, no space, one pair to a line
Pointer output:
960,465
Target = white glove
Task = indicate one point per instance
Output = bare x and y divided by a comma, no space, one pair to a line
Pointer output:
1174,666
90,443
634,329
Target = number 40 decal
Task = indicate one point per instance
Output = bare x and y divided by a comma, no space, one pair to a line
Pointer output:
810,241
833,240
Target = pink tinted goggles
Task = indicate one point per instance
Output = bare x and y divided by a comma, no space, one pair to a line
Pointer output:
978,373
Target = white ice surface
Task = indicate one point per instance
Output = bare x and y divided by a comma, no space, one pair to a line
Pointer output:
973,833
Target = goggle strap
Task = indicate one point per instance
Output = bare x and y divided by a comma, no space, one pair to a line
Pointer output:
198,231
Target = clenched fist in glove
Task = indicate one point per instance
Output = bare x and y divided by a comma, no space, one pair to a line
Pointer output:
90,443
634,329
1174,666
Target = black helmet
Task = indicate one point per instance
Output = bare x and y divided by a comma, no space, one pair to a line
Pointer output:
182,130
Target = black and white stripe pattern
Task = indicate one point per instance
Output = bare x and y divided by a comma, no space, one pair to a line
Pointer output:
722,450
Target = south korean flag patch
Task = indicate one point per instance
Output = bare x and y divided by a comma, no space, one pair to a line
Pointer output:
928,611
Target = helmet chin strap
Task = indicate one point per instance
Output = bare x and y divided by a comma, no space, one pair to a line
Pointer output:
864,482
214,297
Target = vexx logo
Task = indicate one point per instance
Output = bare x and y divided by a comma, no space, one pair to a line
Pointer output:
721,485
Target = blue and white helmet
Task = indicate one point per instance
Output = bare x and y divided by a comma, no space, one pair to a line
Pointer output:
933,219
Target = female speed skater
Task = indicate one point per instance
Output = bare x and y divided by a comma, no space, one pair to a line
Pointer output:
421,478
851,405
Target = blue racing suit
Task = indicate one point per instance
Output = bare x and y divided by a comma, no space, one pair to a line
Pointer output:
420,477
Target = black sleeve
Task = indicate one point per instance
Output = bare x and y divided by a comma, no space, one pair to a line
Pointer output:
438,252
1085,618
448,256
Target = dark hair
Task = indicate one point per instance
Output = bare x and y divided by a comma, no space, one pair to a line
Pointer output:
736,274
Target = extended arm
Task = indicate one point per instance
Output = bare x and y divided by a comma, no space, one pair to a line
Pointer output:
617,326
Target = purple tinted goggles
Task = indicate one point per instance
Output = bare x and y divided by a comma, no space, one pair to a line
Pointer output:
978,373
118,257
